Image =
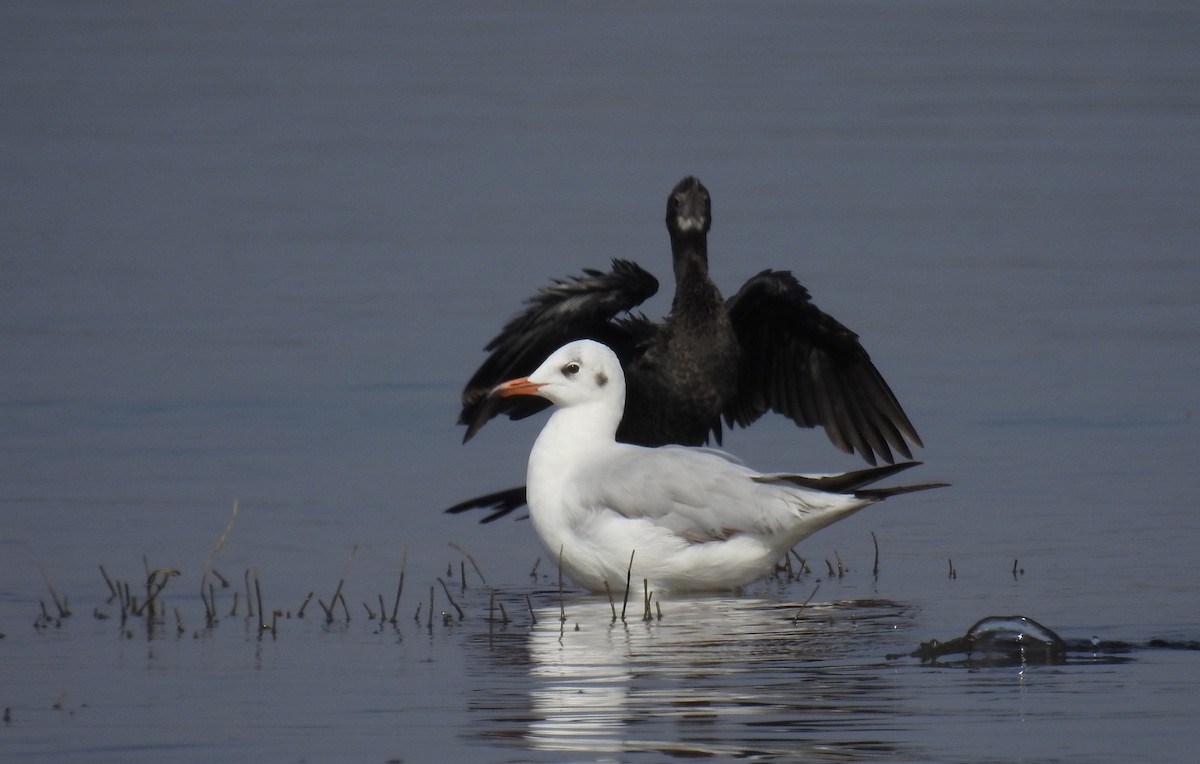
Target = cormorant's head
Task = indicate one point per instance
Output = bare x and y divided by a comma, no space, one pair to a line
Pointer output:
689,208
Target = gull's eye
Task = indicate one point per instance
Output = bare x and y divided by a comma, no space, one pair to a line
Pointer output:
570,369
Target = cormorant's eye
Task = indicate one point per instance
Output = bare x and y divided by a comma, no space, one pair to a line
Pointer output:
570,369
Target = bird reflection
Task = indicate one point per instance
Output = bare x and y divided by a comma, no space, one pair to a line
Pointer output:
714,676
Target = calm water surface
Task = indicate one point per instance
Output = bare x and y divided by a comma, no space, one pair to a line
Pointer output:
251,253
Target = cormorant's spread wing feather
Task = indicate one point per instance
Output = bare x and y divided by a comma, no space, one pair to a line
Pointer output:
581,307
800,362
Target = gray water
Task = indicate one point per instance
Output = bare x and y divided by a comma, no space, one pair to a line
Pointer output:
250,253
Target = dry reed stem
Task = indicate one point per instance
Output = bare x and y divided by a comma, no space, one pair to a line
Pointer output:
114,594
628,581
262,624
470,559
453,604
803,564
804,604
216,547
249,600
611,604
400,586
334,600
61,604
303,605
562,608
209,598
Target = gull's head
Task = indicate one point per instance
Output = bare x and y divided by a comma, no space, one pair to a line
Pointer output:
689,208
583,371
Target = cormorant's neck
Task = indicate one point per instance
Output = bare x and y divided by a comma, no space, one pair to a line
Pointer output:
693,287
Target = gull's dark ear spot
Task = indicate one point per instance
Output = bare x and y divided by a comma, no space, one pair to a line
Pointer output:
601,379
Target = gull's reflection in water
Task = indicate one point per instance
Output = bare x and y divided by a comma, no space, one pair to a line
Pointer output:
713,677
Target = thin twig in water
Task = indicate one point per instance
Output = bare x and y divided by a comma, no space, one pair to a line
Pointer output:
303,605
216,547
446,589
611,604
128,604
562,608
400,586
108,581
953,572
471,559
333,602
249,600
61,604
158,577
628,580
804,604
209,613
803,564
646,593
875,567
262,622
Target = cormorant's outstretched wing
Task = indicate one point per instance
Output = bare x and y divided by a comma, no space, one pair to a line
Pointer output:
582,307
802,363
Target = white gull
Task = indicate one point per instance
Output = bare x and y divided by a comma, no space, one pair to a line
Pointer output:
692,519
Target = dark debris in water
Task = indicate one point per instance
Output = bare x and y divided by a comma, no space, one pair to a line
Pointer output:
1017,640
